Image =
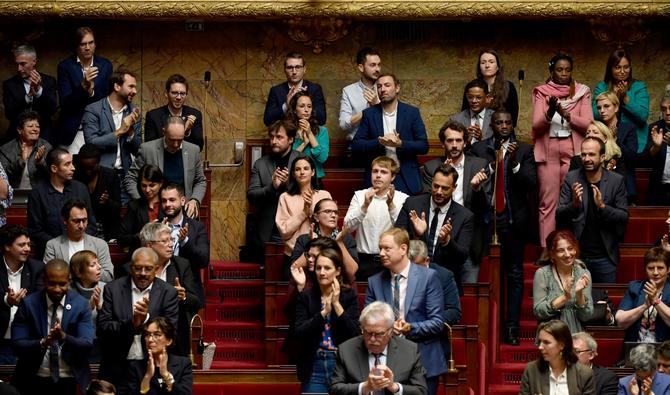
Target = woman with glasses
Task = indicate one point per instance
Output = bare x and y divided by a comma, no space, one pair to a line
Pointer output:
311,139
644,311
556,370
326,315
160,372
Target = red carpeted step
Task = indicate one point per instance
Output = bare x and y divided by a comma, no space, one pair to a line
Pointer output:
507,373
238,365
234,332
524,352
238,312
223,270
503,389
240,355
232,292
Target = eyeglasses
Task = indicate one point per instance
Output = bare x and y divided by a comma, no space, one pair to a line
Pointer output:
142,269
296,68
581,351
329,212
177,94
377,335
164,242
153,335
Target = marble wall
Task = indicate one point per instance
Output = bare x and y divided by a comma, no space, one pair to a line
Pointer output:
433,60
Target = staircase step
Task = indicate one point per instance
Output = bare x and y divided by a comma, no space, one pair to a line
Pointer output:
238,312
234,332
235,291
524,352
503,389
222,270
240,353
238,365
507,373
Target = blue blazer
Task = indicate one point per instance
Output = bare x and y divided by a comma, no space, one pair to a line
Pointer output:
659,386
634,297
414,142
626,139
424,303
30,326
277,97
73,98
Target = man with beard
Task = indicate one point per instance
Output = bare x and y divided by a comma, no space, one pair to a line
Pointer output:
361,94
176,90
113,124
593,205
516,180
472,192
268,180
450,231
29,90
394,129
189,236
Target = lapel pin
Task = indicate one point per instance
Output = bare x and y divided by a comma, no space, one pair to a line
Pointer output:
68,307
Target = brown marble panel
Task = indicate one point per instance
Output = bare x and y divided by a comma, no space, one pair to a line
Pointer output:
227,231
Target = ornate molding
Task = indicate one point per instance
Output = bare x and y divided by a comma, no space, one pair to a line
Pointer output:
619,31
317,32
371,9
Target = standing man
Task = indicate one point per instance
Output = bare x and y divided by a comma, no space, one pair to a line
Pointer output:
20,276
29,90
82,80
113,124
476,117
415,293
176,90
52,335
280,95
178,159
657,149
373,211
594,206
515,181
450,231
269,175
394,129
586,349
361,94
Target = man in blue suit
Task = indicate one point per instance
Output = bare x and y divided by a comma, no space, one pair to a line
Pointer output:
646,380
393,129
82,80
52,334
415,293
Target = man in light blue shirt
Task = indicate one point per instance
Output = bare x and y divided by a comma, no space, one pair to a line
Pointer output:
361,94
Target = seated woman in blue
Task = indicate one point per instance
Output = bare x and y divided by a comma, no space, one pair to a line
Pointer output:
644,311
310,139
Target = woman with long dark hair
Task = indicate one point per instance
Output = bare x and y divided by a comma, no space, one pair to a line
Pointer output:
143,210
310,139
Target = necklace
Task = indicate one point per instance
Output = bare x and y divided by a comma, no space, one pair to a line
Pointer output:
560,281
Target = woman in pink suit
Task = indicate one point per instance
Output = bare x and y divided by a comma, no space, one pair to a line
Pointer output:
561,113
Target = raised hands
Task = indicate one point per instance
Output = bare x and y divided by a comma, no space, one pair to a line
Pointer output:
90,73
474,132
279,177
418,223
582,283
370,96
577,194
444,235
477,180
307,199
298,274
140,311
391,140
181,291
14,297
95,302
190,121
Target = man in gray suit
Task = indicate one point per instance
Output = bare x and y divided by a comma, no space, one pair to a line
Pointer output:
178,159
75,239
594,206
378,361
477,118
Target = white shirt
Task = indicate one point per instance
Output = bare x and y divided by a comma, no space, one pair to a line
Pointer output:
63,367
26,86
371,365
404,276
440,219
457,196
665,178
477,118
371,224
175,228
284,107
74,247
559,126
163,274
13,282
558,385
117,116
135,351
353,102
83,71
389,120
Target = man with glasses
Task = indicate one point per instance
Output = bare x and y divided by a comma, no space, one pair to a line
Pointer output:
280,95
378,362
586,349
176,91
477,117
128,302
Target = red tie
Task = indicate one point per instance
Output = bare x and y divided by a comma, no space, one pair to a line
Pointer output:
500,184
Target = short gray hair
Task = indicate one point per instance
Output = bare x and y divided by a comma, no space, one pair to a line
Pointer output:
375,312
145,252
417,248
643,358
27,50
151,230
586,338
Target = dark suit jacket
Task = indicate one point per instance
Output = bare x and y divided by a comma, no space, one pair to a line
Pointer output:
424,304
73,98
657,162
30,326
660,384
607,382
99,128
626,139
31,280
13,96
196,250
107,214
115,322
136,217
612,219
265,198
580,380
13,163
156,119
412,131
309,324
277,97
453,255
179,366
452,303
472,200
352,367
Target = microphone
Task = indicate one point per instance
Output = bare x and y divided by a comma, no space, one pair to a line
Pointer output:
208,76
522,76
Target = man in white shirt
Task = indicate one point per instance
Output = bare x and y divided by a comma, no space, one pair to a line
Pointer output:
371,212
361,94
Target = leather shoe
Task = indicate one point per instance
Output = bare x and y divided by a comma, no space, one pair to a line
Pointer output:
512,336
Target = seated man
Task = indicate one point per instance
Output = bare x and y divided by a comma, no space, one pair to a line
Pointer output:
52,335
20,276
663,360
646,380
477,118
127,304
47,198
178,159
105,190
24,157
393,363
657,150
586,349
176,91
75,239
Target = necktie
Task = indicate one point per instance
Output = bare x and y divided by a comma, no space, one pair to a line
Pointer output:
396,295
377,362
53,348
500,185
431,234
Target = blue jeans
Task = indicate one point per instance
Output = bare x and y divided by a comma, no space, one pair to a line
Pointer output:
319,382
469,272
602,270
